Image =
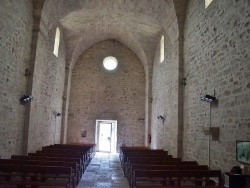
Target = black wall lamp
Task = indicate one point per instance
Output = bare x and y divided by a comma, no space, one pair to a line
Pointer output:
25,99
208,98
27,72
58,114
160,118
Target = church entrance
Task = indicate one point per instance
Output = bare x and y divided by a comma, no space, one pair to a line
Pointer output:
106,135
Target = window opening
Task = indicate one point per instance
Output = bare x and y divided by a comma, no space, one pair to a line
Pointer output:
57,42
207,3
110,63
162,49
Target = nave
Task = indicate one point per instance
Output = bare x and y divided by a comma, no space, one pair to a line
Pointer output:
104,171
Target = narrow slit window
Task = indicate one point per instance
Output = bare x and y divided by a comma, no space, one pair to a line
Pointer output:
162,57
207,3
57,42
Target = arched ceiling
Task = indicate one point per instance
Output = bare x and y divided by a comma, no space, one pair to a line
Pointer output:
84,29
138,24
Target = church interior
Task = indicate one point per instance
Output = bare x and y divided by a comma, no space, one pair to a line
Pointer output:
181,81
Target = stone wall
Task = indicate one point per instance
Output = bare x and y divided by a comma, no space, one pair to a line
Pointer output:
15,38
112,95
165,99
47,89
217,60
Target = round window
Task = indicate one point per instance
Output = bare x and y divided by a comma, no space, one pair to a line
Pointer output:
110,63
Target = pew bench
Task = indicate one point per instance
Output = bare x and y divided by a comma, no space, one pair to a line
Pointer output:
29,175
191,178
148,160
85,152
163,167
56,159
123,154
76,146
181,186
134,149
65,155
145,155
73,165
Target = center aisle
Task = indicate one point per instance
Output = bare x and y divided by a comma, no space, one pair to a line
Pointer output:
104,171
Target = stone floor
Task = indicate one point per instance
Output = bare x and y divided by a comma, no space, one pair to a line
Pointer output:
104,171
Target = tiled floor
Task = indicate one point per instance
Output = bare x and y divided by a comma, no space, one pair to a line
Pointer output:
104,171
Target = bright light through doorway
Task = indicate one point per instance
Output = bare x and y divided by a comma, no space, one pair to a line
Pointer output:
106,136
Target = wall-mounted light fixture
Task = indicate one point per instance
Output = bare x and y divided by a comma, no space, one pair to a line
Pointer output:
208,98
183,81
56,113
27,72
25,99
160,118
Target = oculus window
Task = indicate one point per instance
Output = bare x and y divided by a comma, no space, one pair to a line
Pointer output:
110,63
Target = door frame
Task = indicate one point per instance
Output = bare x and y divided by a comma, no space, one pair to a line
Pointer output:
113,147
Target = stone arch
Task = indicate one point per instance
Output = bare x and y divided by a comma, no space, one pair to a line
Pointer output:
91,91
145,54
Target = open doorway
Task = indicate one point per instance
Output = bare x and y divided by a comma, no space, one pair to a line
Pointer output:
106,135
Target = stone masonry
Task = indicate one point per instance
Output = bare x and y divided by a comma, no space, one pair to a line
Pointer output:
112,95
217,62
15,39
206,52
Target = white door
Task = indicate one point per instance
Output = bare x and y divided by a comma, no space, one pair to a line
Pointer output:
106,137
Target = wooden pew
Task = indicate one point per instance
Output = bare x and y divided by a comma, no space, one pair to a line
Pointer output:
163,167
57,159
60,154
73,165
174,177
68,150
175,161
149,160
85,152
87,149
145,154
172,162
123,150
76,146
181,186
145,157
124,153
65,155
29,175
79,147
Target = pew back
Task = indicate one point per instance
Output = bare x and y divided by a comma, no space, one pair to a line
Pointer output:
176,177
29,175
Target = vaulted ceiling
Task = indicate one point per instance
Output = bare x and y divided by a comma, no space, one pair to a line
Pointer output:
138,24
